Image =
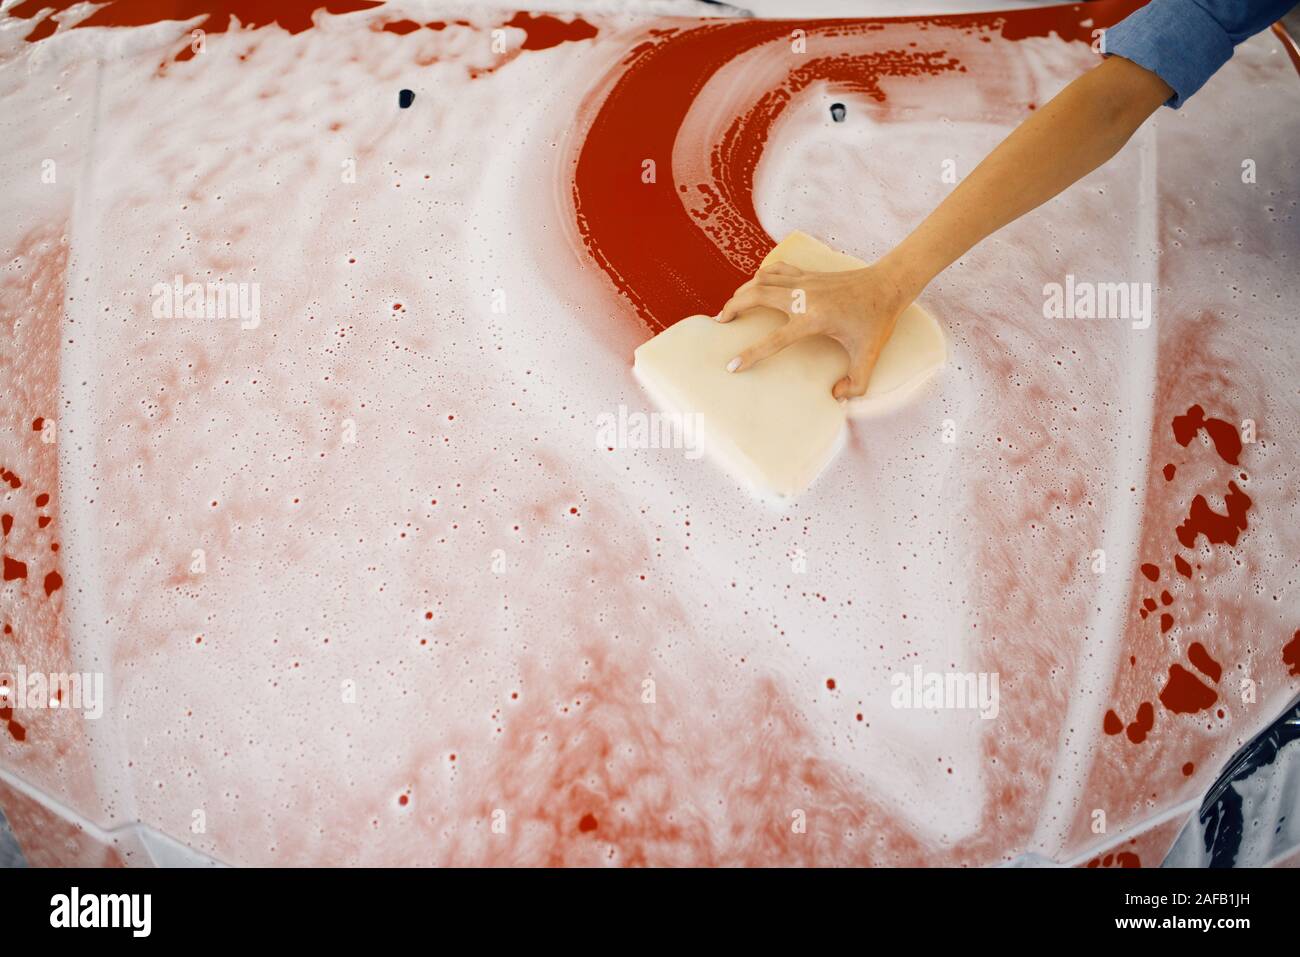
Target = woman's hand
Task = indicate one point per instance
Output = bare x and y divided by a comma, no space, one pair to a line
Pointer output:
857,308
1081,128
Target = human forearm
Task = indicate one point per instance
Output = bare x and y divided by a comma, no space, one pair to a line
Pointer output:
1081,128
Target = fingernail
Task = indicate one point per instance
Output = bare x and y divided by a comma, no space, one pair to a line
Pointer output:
734,364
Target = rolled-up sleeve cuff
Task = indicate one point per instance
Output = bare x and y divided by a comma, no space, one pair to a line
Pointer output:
1174,39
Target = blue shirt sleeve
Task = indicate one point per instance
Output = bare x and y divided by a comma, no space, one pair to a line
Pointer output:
1184,42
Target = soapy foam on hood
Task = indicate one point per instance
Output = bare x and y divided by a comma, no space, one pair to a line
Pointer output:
433,604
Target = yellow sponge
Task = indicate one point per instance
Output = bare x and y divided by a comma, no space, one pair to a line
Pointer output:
776,425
